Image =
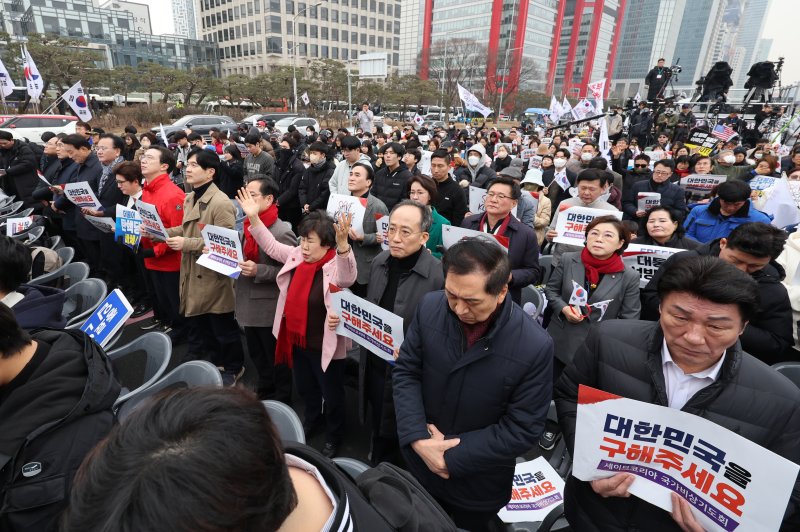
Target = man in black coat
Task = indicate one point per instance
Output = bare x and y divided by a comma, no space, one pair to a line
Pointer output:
472,386
452,201
391,179
502,196
656,80
672,196
690,360
314,191
752,248
18,165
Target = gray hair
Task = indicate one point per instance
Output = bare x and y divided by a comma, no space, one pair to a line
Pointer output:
424,210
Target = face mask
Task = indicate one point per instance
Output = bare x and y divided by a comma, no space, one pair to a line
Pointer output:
729,159
605,196
502,155
314,159
559,163
758,155
473,161
586,157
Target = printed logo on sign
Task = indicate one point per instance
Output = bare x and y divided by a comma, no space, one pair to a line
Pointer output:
31,469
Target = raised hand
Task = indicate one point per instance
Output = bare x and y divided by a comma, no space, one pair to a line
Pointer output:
248,204
342,226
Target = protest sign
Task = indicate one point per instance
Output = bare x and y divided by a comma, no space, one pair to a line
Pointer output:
106,224
127,227
536,490
762,182
535,162
572,222
648,200
701,183
547,141
82,195
224,250
507,145
646,260
341,204
703,141
151,221
452,234
575,145
383,229
730,482
107,319
477,201
371,326
18,225
43,179
527,154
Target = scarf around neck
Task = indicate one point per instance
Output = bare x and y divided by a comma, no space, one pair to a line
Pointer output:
594,266
268,217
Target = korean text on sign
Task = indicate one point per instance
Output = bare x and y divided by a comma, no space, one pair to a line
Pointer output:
371,326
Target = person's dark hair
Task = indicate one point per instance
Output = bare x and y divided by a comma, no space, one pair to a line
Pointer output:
368,168
116,141
622,231
321,223
14,338
149,136
129,171
667,163
86,125
76,141
426,218
15,264
253,138
46,136
477,255
233,149
598,162
563,151
416,154
682,159
441,154
702,157
425,182
642,157
178,135
215,452
734,191
319,147
6,135
351,142
674,215
266,186
758,239
595,174
621,139
166,157
205,159
396,147
713,279
135,144
194,137
503,180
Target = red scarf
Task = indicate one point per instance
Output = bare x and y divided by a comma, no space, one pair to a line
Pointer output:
295,312
594,267
268,217
503,226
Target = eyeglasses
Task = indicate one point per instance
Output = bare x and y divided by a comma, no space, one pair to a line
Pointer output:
121,181
497,196
404,233
640,165
659,172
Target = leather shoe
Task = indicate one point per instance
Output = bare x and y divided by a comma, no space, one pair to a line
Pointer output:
140,310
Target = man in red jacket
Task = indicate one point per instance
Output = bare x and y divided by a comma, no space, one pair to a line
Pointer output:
162,263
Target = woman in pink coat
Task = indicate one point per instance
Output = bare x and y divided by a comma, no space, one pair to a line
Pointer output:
323,258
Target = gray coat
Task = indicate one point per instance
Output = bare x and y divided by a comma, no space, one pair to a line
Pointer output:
367,249
426,276
622,289
256,297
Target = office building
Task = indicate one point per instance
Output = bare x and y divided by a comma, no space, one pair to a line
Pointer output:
412,23
140,12
254,36
748,38
183,18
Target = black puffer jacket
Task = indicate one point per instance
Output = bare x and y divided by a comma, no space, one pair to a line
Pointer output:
20,163
314,190
623,357
769,333
390,185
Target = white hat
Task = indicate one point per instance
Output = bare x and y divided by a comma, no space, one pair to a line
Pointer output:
534,175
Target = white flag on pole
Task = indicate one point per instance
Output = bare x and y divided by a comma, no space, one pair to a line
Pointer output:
637,98
305,98
471,102
6,85
566,108
598,89
163,134
603,142
418,119
555,110
32,77
76,99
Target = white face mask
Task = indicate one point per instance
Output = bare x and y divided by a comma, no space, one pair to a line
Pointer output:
559,163
605,196
473,160
729,159
502,155
586,156
313,158
758,155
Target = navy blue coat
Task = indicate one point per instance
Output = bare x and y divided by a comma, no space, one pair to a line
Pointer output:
494,396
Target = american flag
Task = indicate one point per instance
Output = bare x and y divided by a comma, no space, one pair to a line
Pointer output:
723,132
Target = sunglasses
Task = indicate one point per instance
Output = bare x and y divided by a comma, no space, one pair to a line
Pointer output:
640,166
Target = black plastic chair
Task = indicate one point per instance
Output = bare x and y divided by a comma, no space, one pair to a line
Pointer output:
81,299
790,369
286,421
157,348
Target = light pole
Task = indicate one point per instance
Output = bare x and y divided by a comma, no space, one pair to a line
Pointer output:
294,51
505,76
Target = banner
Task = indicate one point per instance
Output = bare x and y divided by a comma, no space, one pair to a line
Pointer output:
762,182
701,183
305,98
597,90
471,102
151,221
536,490
341,204
383,229
583,109
730,482
6,84
572,222
566,108
647,200
105,224
15,226
555,110
224,250
703,141
82,195
452,235
127,228
107,319
76,99
646,260
418,119
32,77
369,325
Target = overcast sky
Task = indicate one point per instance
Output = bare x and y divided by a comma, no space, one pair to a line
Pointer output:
781,26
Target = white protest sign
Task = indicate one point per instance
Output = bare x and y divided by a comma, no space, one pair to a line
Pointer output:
762,182
82,195
43,179
648,200
383,229
527,154
151,221
452,235
477,201
572,222
224,250
18,225
730,482
701,183
341,204
646,260
536,490
106,224
371,326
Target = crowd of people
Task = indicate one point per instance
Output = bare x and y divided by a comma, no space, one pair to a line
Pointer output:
469,389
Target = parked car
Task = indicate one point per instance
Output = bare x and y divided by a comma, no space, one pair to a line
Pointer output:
300,122
201,124
3,118
31,127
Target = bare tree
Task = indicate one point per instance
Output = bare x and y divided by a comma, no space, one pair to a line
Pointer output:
528,70
456,62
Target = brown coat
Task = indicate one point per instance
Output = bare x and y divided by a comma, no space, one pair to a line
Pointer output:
203,291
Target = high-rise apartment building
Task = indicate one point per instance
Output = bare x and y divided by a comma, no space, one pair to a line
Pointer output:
412,24
748,37
140,12
183,18
254,35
